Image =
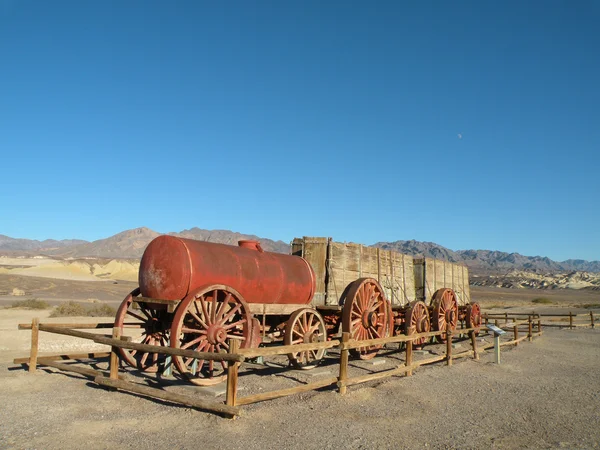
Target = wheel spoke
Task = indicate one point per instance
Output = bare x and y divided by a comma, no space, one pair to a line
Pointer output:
364,298
204,311
138,317
192,342
144,358
193,330
213,308
198,319
231,312
369,289
300,326
235,336
310,321
234,324
223,304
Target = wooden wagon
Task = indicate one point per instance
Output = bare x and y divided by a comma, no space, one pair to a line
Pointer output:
261,298
372,292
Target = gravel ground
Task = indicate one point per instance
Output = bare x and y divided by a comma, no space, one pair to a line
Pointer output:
545,394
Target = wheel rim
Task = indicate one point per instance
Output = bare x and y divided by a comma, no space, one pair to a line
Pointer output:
417,321
303,327
474,317
204,322
155,326
445,312
366,315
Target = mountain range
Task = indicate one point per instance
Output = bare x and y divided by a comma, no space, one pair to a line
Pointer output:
130,244
491,261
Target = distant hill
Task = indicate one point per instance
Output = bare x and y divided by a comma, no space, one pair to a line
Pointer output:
131,244
32,245
490,262
127,244
232,238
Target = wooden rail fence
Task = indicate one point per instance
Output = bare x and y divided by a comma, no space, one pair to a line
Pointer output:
585,319
236,356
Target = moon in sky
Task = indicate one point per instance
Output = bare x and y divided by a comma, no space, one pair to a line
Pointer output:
459,135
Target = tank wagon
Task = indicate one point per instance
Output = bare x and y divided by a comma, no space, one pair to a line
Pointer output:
199,295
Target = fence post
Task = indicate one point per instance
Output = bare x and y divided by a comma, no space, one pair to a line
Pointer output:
570,320
516,332
448,344
343,364
232,374
114,355
409,357
530,329
505,318
539,324
474,344
35,331
592,318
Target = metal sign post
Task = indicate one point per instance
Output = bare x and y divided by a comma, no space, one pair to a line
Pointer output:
497,333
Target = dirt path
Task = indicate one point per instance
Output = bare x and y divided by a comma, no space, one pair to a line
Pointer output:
544,394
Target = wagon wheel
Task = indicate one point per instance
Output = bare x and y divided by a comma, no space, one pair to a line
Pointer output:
204,321
417,321
366,315
445,312
474,317
154,325
305,326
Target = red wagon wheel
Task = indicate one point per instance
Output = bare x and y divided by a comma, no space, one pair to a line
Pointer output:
154,325
417,321
204,321
445,312
366,315
473,317
305,326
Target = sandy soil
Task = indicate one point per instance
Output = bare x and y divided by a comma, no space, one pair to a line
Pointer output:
545,394
78,270
57,290
500,298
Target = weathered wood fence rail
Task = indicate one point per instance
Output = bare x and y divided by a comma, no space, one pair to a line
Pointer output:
236,356
583,319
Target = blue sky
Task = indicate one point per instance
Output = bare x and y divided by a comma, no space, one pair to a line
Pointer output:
283,119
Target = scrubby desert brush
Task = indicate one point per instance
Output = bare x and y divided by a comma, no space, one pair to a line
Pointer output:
31,303
74,309
542,301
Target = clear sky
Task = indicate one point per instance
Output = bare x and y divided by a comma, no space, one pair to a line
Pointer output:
475,125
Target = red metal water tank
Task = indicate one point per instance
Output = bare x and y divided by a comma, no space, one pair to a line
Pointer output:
172,267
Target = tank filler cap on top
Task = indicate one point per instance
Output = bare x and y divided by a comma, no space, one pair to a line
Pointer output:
251,244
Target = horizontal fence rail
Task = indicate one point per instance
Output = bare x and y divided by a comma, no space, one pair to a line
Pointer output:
236,356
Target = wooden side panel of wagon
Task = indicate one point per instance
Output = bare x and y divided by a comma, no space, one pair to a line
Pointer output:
433,274
337,264
314,250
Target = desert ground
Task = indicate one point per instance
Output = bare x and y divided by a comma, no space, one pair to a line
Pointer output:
544,394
